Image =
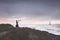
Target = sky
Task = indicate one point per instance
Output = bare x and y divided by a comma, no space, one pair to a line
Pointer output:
30,11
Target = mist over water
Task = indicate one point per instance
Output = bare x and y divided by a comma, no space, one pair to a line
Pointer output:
54,29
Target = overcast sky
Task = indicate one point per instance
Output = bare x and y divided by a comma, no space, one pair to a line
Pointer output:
44,9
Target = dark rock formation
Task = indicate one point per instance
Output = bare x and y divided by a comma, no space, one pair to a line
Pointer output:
5,27
29,34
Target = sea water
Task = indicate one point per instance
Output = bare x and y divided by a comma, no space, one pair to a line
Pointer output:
54,29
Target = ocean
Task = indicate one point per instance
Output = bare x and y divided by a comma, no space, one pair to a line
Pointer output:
54,28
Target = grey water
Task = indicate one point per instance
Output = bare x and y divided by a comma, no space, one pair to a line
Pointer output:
54,28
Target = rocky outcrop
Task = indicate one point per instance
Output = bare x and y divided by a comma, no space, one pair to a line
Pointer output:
5,27
29,34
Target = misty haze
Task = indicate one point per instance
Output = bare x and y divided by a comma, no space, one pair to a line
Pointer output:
29,19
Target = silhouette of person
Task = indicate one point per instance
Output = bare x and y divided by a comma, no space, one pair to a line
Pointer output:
17,23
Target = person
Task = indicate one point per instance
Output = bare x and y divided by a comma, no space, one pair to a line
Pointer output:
17,25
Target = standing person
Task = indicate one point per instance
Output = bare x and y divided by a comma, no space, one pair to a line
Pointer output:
17,25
